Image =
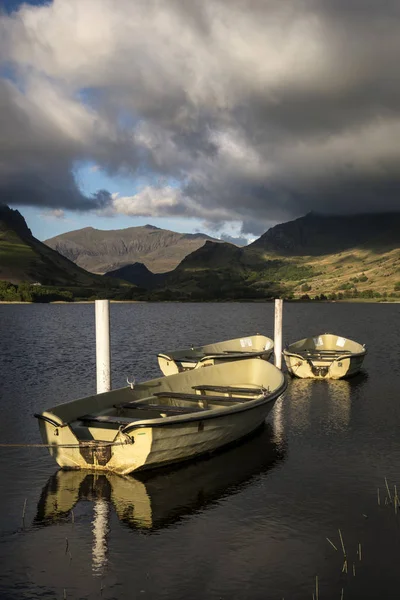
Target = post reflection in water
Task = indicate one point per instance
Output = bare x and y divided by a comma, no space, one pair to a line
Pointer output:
100,530
161,498
278,421
335,396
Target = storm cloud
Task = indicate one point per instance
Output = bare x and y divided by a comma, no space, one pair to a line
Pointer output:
254,111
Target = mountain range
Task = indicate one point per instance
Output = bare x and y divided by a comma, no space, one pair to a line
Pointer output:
101,251
315,255
341,256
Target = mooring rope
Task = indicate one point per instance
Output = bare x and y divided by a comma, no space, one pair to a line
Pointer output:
83,445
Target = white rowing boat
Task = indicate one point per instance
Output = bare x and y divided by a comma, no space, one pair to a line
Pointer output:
194,357
325,356
164,420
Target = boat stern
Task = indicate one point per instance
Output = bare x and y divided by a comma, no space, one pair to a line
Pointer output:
122,454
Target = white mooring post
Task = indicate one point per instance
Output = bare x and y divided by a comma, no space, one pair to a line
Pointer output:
278,332
103,355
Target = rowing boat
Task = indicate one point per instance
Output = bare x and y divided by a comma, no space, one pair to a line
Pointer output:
164,420
194,357
326,356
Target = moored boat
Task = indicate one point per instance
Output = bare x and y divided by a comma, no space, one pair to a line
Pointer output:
194,357
325,356
164,420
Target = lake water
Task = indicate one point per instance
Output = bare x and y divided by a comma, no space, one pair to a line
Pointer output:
250,522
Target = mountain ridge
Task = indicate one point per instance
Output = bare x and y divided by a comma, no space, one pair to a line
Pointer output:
313,256
102,251
349,256
315,234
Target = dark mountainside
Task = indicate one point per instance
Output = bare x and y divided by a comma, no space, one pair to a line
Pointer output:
349,256
211,255
12,223
100,251
315,234
139,275
23,258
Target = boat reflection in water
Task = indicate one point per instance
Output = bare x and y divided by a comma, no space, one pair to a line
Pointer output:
162,497
331,399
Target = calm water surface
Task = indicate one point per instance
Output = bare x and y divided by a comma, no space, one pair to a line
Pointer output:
250,522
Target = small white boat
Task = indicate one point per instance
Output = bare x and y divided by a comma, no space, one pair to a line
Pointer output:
186,359
326,356
164,420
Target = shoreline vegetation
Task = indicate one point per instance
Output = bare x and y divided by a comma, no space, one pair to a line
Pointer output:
222,301
37,293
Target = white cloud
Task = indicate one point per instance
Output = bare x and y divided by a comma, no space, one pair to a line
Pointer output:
150,201
57,213
166,201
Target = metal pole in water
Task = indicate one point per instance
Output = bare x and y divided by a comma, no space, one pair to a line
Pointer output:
278,332
103,354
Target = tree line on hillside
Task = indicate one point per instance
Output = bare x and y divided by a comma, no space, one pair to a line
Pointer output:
218,290
35,292
25,292
351,294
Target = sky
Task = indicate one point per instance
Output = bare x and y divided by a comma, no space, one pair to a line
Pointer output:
221,116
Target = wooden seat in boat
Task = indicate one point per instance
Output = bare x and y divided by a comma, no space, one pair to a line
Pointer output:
189,359
316,351
324,354
162,408
228,389
241,353
198,397
106,419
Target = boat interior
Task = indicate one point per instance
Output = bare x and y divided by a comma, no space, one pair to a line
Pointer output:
327,348
255,345
197,358
223,386
327,355
105,423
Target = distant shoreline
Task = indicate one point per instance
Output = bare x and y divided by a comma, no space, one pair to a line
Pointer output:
293,301
77,302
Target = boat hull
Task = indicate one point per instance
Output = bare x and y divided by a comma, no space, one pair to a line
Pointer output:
179,443
153,447
320,370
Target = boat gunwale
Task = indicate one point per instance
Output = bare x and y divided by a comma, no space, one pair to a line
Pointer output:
224,355
327,358
208,352
288,352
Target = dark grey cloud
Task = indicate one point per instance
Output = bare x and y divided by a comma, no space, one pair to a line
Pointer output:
256,228
246,110
36,160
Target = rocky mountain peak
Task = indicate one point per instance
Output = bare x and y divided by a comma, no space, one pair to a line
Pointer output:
11,219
